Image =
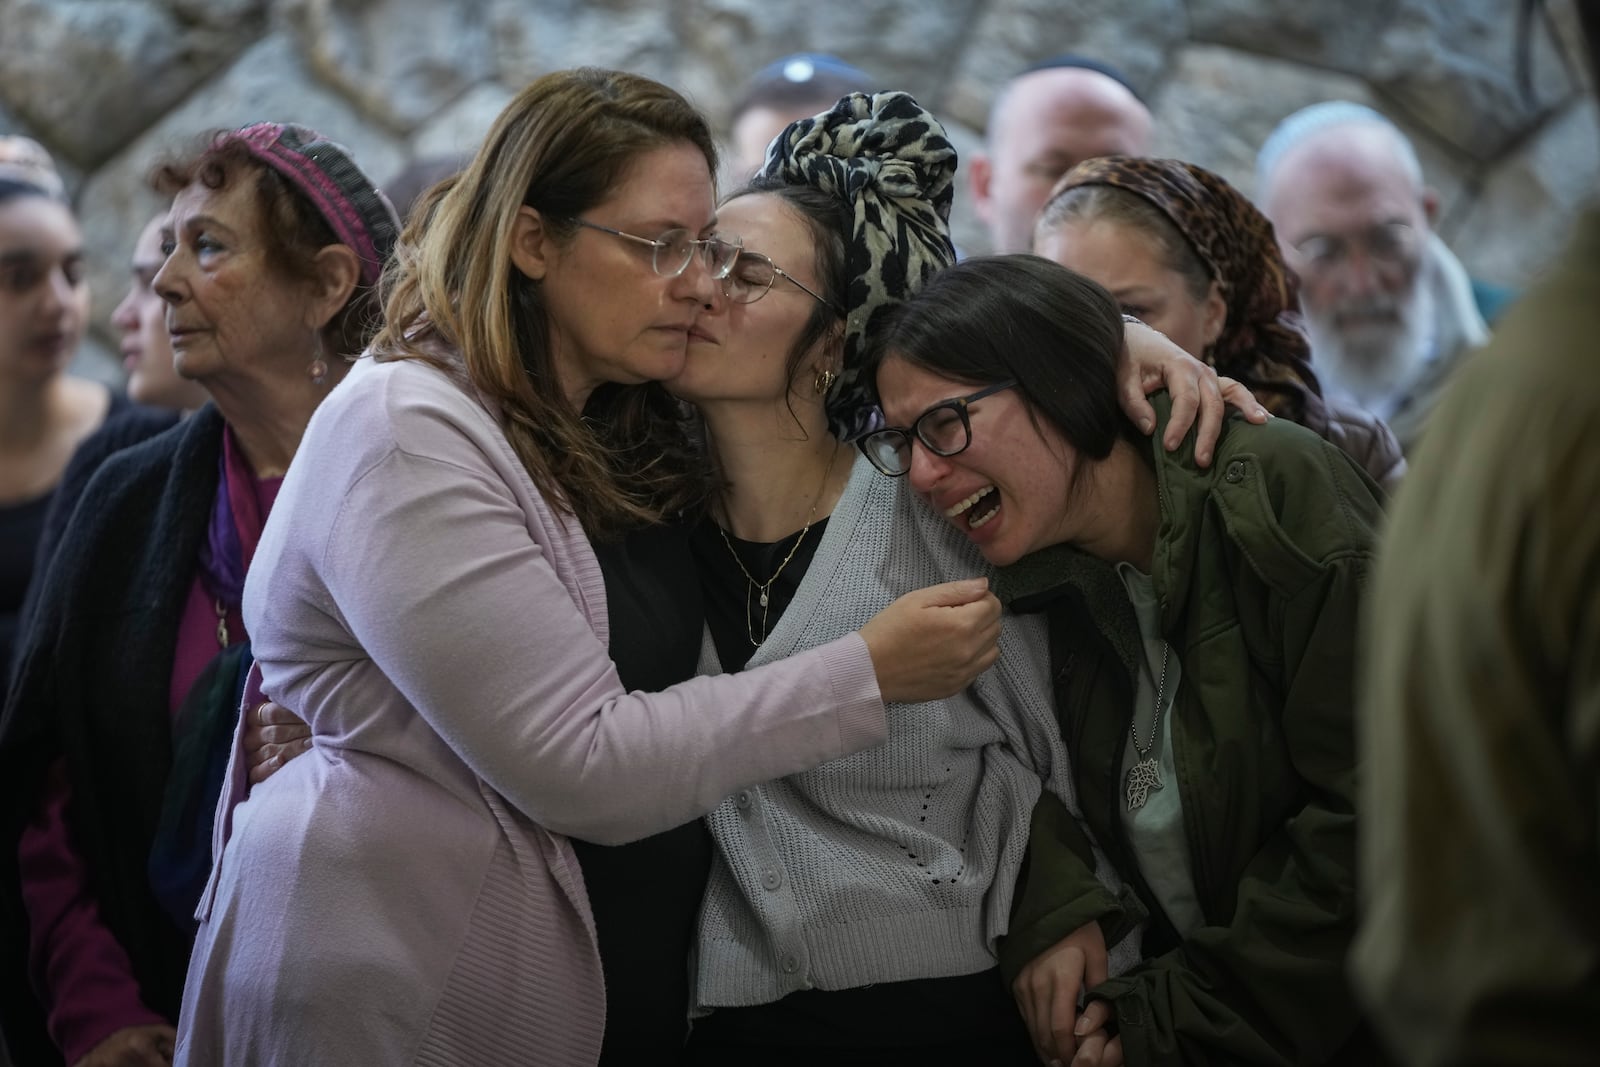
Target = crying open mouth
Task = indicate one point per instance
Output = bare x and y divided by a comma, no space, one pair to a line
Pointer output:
978,508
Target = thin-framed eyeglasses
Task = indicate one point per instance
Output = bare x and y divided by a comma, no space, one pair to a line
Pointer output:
944,429
752,276
672,251
1389,244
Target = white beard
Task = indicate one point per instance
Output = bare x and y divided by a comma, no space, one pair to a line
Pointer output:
1377,356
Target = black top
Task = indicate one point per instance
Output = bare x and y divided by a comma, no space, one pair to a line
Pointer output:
733,605
646,895
20,528
23,529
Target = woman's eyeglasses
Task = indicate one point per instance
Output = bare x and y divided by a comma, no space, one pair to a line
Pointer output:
752,276
672,251
944,429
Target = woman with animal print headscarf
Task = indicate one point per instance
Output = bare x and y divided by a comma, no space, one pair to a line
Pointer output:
853,911
1184,251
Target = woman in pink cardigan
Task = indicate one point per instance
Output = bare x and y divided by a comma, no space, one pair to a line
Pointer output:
470,589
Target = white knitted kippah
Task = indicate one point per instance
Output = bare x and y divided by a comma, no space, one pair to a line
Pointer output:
1301,125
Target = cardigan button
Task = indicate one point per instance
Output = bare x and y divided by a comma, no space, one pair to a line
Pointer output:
742,801
791,963
771,879
1235,471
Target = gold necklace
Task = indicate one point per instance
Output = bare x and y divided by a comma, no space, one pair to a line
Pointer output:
765,588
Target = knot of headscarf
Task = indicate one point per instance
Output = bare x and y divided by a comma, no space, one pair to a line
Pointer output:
1262,343
892,163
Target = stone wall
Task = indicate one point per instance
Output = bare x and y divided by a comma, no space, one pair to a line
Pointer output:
109,85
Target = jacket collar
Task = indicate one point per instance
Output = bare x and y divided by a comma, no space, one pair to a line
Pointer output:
1036,580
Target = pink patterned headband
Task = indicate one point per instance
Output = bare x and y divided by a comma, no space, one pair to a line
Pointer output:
360,216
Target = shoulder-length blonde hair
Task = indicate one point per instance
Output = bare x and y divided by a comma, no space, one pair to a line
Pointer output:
560,147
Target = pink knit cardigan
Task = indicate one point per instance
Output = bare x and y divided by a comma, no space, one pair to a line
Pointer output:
403,893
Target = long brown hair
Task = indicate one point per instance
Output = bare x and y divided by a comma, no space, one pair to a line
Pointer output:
560,147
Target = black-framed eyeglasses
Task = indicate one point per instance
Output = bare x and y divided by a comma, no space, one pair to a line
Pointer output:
752,276
944,429
672,251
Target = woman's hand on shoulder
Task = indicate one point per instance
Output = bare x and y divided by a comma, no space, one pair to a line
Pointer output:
931,643
1149,361
134,1046
273,735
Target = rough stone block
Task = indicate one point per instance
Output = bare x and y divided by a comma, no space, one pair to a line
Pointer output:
90,75
1220,104
398,61
1011,34
1522,216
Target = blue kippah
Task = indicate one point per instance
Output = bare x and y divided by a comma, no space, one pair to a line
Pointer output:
802,67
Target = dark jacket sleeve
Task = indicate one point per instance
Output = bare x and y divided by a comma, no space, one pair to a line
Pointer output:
1057,891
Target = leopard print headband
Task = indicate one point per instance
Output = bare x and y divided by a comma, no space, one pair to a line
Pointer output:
891,162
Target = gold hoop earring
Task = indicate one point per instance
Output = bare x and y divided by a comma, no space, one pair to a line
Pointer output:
824,381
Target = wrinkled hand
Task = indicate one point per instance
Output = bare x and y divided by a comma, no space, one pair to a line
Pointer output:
1149,361
134,1046
273,735
931,643
1048,988
1096,1048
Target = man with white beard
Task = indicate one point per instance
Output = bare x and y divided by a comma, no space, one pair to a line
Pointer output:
1389,309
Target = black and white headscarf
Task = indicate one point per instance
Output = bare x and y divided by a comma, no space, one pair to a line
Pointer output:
891,162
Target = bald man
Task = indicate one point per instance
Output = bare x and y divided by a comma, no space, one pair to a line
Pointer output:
1045,121
1388,307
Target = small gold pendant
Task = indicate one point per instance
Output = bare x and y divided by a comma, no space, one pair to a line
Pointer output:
763,598
1142,777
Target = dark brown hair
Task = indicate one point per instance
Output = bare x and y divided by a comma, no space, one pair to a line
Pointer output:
1056,333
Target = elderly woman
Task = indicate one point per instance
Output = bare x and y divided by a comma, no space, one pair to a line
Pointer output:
477,591
1184,251
44,413
129,675
1202,641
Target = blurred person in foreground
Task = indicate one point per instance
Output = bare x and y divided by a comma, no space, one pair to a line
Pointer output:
1481,863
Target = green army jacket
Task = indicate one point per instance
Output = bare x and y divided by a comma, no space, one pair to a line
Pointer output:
1258,567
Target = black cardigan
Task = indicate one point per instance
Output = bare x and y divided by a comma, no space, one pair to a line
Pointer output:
92,683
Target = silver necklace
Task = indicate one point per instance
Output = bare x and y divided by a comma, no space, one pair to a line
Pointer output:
1145,775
